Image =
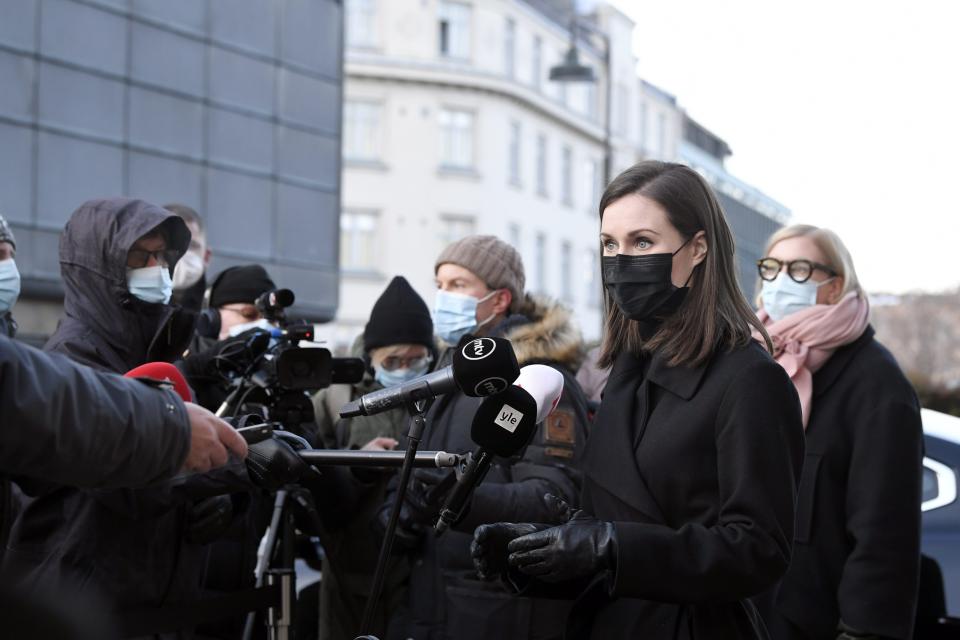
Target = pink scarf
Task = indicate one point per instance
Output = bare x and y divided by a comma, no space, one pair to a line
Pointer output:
805,340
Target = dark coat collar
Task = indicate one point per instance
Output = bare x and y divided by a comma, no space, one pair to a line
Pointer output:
681,381
828,374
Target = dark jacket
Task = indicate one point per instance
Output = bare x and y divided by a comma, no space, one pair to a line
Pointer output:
45,402
126,544
857,548
446,600
8,326
104,325
697,468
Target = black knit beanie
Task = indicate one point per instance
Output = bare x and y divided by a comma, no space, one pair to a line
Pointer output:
400,316
242,284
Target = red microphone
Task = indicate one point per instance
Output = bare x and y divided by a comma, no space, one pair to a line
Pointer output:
166,373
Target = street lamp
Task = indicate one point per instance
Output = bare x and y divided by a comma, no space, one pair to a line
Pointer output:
572,70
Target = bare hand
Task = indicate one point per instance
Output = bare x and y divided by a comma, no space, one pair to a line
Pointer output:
210,440
380,444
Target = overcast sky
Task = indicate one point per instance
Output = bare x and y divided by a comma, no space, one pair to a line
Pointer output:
847,112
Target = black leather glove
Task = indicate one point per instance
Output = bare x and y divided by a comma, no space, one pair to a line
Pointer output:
489,546
209,518
581,547
273,463
420,508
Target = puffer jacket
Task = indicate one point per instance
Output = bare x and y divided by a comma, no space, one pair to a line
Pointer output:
446,600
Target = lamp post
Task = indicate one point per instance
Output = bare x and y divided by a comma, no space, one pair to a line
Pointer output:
572,70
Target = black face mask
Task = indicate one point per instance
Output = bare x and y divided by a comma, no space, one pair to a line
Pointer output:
641,286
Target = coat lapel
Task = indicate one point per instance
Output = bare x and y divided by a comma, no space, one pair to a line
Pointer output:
828,374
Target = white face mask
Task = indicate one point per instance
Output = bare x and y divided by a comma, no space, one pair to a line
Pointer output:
150,284
237,329
188,271
9,284
785,296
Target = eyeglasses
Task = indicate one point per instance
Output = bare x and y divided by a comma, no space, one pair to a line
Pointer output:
798,270
139,258
392,363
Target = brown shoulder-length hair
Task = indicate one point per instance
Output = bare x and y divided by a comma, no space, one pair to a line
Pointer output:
714,315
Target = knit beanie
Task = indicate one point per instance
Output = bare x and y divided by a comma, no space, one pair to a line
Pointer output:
491,259
242,284
6,234
400,316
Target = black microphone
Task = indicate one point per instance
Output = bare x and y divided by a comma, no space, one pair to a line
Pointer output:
503,425
481,367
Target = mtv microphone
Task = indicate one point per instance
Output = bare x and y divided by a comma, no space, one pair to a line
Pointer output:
503,425
165,373
481,367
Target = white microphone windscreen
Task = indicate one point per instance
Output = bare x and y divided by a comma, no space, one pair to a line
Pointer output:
545,384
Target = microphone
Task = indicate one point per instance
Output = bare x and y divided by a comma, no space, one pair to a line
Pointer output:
165,373
503,425
481,367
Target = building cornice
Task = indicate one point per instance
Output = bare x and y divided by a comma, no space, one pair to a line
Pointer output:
467,78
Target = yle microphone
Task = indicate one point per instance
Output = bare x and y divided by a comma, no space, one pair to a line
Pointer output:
481,367
165,373
503,425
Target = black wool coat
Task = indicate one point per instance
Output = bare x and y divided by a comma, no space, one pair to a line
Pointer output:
857,548
700,486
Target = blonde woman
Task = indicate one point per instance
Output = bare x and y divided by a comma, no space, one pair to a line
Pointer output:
855,565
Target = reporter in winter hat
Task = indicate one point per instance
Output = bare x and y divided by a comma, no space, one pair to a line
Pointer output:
398,346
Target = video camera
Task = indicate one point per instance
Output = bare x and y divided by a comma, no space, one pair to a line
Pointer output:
272,369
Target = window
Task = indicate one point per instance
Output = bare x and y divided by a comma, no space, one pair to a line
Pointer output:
662,131
454,30
591,98
566,176
509,47
566,272
536,70
591,185
540,264
361,130
591,277
516,238
456,133
644,143
453,228
513,161
656,137
621,123
358,240
542,164
361,23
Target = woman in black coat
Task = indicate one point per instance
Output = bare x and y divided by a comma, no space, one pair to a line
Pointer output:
692,464
856,558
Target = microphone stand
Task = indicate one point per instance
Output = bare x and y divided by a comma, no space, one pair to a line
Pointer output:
418,422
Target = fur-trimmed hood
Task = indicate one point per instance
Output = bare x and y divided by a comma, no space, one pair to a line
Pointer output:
542,331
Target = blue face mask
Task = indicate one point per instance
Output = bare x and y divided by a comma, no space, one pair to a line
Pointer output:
455,315
150,284
785,296
397,376
9,284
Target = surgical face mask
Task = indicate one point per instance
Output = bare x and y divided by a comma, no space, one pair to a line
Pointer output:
262,323
785,296
150,284
642,286
9,284
398,376
188,271
455,315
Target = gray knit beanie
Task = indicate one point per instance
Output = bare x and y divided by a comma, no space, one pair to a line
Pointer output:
6,234
494,261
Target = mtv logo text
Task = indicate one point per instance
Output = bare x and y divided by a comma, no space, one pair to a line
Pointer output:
509,418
